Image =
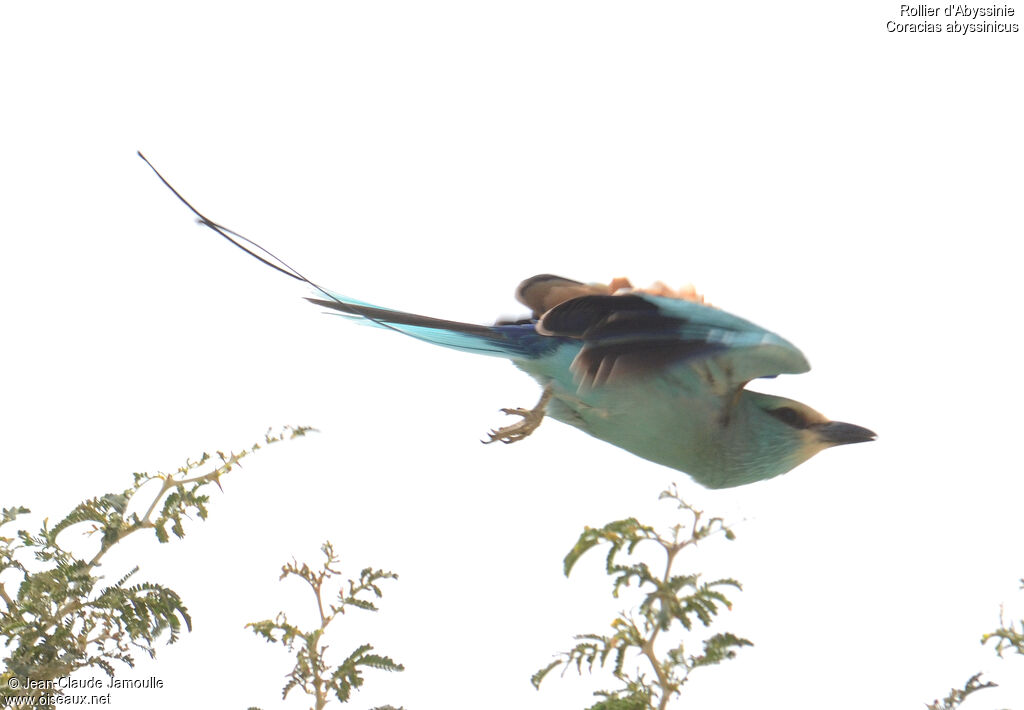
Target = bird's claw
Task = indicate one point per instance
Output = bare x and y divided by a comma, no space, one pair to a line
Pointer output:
522,429
518,431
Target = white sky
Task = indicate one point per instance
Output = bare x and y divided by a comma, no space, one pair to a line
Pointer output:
856,191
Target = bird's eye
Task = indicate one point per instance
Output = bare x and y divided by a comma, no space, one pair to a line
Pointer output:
789,416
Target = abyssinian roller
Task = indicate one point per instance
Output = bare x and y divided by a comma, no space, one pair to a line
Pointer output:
657,372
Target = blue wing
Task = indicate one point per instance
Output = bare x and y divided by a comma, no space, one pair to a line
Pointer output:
633,335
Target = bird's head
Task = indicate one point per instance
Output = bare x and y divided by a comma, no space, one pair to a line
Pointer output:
778,434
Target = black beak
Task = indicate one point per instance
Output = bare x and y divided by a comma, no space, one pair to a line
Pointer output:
835,433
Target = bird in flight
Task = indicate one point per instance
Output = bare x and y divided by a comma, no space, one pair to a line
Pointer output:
657,372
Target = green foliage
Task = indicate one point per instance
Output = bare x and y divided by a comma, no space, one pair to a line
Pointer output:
667,600
62,618
1008,636
957,696
312,673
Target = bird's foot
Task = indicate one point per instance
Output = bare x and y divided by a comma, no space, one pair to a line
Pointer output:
521,429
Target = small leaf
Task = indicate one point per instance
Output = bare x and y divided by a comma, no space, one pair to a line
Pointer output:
538,677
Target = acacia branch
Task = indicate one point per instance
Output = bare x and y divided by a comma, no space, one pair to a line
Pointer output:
11,607
648,646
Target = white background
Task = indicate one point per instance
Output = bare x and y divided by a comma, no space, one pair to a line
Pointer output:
856,191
